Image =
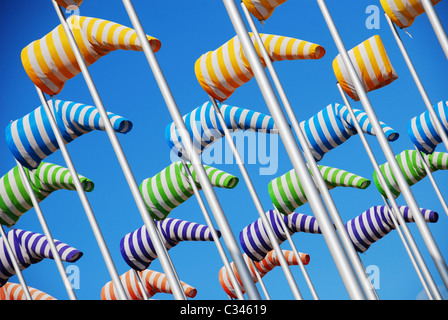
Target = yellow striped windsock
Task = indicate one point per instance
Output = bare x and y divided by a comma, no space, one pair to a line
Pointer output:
222,71
372,66
50,61
68,3
262,9
404,12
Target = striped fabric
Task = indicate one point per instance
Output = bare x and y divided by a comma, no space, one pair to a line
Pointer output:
204,127
50,61
222,71
30,248
262,9
412,168
14,199
372,66
376,222
171,187
14,291
404,12
254,238
333,125
31,139
138,250
263,267
287,193
422,131
153,282
68,3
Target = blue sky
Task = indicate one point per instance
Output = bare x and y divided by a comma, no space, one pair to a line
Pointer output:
127,87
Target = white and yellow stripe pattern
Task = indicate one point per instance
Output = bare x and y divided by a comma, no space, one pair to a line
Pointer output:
262,9
372,66
404,12
222,71
50,61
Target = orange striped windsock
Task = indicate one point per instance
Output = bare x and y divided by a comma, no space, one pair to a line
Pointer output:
262,267
153,282
262,9
404,12
14,291
68,3
222,71
372,66
50,61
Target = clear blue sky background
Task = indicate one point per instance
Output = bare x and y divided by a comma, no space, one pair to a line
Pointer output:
127,87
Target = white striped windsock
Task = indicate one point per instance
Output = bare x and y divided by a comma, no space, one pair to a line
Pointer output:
14,292
262,9
69,3
404,12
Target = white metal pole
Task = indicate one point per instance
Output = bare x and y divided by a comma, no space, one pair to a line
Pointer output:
140,284
160,249
436,25
15,264
260,280
334,244
207,188
385,146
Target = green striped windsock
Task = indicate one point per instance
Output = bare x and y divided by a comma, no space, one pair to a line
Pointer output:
171,187
287,192
412,168
46,178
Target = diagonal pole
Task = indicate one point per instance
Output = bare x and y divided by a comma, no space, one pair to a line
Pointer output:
436,25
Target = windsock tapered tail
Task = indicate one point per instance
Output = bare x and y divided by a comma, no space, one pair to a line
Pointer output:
68,3
15,200
222,71
404,12
287,193
153,282
50,61
333,126
30,248
262,9
14,292
412,168
31,138
137,248
204,127
263,267
371,64
171,187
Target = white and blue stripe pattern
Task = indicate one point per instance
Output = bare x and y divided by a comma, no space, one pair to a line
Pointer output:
422,131
30,248
204,127
138,250
333,125
31,138
254,238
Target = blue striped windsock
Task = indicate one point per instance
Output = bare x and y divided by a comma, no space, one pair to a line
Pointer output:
422,131
376,222
333,125
171,187
137,248
14,199
287,193
254,238
204,127
31,138
30,248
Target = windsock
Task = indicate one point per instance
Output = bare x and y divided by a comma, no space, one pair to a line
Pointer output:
263,267
287,193
68,3
222,71
404,12
31,138
333,125
254,238
153,282
171,187
422,131
50,61
204,127
14,199
262,9
137,248
14,291
376,222
412,169
30,248
372,66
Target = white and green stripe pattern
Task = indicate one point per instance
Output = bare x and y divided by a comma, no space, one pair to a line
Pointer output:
15,201
171,187
412,168
287,193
